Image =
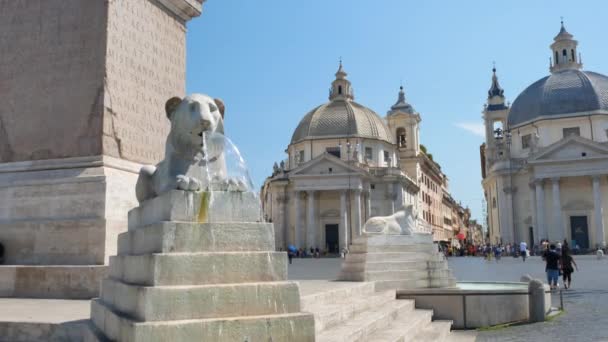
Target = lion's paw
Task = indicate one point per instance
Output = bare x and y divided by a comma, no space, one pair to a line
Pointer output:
188,183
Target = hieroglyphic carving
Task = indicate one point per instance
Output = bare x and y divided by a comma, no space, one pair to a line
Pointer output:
145,66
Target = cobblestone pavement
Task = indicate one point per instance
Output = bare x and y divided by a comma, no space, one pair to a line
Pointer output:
586,304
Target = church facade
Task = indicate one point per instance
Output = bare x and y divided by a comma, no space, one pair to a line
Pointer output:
545,158
346,164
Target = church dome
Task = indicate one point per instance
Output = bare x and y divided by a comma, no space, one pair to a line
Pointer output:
341,117
568,92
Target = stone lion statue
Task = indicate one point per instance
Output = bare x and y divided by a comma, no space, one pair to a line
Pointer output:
402,222
189,163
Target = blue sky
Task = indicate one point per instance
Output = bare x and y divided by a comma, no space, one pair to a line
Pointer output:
272,61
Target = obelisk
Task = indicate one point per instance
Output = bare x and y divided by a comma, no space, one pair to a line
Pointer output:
82,86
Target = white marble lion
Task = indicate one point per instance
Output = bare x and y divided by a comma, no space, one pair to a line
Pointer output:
402,222
189,164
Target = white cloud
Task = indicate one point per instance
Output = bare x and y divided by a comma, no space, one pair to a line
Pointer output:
477,128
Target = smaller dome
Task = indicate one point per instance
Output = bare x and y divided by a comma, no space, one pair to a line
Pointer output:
566,92
341,118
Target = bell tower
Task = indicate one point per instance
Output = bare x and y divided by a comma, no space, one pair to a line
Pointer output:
495,121
404,122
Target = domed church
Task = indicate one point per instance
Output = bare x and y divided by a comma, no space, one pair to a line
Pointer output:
344,166
545,158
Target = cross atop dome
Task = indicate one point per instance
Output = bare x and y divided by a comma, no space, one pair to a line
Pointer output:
564,51
341,88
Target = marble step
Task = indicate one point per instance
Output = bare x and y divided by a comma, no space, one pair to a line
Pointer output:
426,248
199,268
404,328
395,275
203,301
383,285
389,239
392,265
338,295
436,331
328,316
293,327
390,256
361,327
183,237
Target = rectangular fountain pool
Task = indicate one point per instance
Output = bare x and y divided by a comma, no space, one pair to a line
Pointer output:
473,305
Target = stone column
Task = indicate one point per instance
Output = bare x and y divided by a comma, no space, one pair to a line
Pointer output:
600,236
557,210
398,196
391,194
533,214
368,205
344,231
298,219
357,212
540,209
311,228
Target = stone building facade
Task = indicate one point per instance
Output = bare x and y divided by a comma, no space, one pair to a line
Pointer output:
83,86
545,157
346,164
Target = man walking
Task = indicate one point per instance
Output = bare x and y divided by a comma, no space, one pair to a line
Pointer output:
523,250
552,260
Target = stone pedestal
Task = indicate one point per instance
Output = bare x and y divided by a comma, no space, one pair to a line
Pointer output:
182,275
396,262
83,85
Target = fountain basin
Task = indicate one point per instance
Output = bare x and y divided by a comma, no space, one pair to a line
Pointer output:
473,305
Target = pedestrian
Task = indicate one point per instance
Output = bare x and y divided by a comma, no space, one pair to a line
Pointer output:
567,267
552,261
290,256
498,252
523,247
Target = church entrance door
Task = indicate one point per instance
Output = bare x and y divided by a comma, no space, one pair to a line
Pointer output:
580,231
331,238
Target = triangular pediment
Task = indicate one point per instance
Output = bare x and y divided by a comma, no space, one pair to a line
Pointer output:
325,164
571,148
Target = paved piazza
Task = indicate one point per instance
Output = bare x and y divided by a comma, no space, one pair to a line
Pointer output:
586,305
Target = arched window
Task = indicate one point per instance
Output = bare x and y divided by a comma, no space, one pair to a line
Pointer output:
572,55
401,137
340,90
556,58
564,52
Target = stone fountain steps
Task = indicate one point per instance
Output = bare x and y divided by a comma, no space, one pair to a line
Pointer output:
358,311
400,274
211,268
404,328
190,281
389,256
363,326
189,237
390,266
424,248
436,331
331,315
166,303
284,327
